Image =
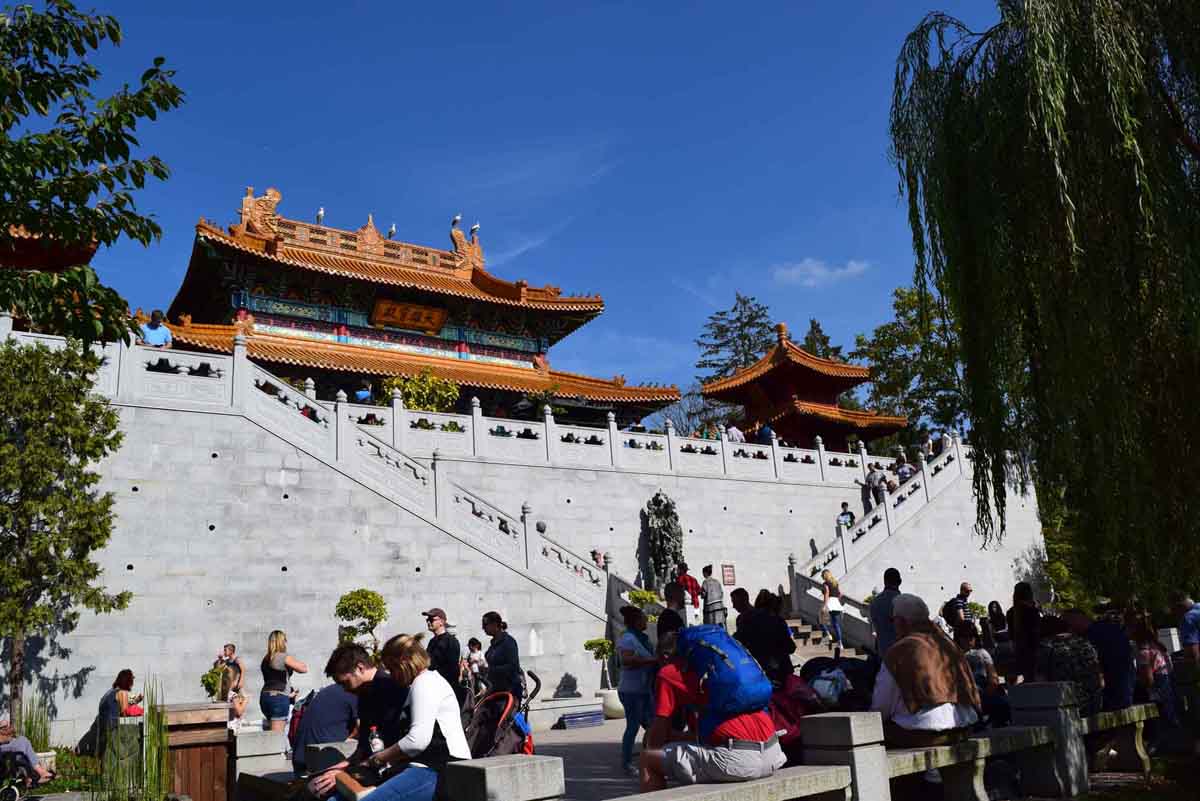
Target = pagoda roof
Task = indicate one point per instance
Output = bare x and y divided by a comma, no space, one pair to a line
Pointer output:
22,249
281,349
786,354
851,418
366,255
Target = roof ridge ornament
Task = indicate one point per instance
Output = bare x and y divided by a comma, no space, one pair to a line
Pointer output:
781,331
257,214
369,239
469,252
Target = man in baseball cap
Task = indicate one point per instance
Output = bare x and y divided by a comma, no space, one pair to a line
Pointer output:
445,655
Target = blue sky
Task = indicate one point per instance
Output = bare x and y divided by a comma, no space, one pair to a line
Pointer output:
663,155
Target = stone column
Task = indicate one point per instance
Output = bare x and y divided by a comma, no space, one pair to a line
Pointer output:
672,448
310,389
775,454
854,739
551,435
614,441
127,368
477,431
342,425
792,584
399,421
6,324
820,446
1052,704
726,456
439,506
921,466
243,381
958,457
526,511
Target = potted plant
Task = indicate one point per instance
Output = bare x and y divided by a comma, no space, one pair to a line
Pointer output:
602,651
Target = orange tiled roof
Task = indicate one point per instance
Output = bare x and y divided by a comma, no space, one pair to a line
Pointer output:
31,251
855,419
357,358
366,255
786,351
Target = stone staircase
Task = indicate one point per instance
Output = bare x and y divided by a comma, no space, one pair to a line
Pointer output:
810,643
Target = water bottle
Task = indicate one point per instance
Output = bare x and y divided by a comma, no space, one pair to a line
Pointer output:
375,741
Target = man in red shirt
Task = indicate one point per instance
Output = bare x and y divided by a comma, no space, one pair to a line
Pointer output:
689,584
742,748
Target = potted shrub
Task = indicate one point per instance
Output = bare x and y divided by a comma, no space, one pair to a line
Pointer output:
602,651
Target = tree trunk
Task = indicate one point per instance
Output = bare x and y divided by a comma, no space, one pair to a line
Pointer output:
16,678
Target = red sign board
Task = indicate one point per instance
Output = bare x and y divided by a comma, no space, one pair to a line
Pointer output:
728,576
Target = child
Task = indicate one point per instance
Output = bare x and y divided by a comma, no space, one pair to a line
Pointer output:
476,662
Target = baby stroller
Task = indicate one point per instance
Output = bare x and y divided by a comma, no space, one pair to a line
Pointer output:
499,726
16,776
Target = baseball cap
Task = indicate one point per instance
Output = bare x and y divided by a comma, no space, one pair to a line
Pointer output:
435,612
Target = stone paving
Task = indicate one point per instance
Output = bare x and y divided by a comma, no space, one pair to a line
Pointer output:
591,760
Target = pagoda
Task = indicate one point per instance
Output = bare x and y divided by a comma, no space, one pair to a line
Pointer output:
342,306
796,393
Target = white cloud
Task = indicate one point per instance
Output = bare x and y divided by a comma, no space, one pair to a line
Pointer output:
816,273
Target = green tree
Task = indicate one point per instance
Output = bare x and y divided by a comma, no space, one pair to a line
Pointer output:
817,342
67,165
1051,167
362,611
53,432
424,391
915,369
734,338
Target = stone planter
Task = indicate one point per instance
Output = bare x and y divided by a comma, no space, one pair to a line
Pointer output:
49,759
613,710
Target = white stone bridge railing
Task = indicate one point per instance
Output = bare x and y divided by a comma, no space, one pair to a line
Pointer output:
138,376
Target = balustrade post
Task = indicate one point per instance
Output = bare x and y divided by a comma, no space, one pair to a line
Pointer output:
854,739
956,439
862,458
399,421
126,371
242,380
438,506
795,606
820,454
614,442
310,388
888,499
341,427
551,436
775,455
607,562
476,428
921,467
723,444
672,456
6,324
526,511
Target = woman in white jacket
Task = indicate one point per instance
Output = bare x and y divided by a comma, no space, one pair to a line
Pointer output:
435,736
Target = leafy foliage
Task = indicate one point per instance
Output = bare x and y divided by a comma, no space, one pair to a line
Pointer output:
734,338
362,610
53,432
210,680
67,165
915,367
643,598
1052,170
35,721
600,648
536,403
424,391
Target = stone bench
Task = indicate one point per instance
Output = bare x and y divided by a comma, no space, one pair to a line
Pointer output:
961,765
1122,730
807,781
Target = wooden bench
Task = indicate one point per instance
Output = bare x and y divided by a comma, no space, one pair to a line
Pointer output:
830,783
961,765
1122,730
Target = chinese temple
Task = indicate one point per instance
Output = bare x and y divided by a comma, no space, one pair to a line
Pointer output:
796,393
341,306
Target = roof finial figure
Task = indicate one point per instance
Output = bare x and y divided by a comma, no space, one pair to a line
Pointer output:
391,231
781,330
321,215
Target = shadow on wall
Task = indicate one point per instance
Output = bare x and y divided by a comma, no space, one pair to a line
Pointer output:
39,651
1030,565
568,687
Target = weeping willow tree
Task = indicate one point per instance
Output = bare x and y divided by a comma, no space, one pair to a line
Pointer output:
1050,168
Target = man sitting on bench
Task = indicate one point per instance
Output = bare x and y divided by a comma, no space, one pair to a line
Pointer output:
924,691
740,747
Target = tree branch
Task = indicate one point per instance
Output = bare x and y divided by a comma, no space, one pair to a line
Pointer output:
1181,132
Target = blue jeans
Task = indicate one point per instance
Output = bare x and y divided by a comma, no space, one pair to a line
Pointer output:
411,784
637,715
835,625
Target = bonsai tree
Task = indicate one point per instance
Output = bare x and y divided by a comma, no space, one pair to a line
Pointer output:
362,611
602,650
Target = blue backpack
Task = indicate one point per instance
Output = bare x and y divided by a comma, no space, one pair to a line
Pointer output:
732,678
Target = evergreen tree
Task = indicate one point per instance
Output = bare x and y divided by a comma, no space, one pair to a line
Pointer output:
734,338
67,169
53,432
1050,165
817,342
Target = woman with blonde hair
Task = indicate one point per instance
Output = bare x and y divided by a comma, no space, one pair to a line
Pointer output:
277,669
832,603
435,735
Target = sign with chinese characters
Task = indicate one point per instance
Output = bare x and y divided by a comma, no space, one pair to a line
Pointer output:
407,315
728,576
